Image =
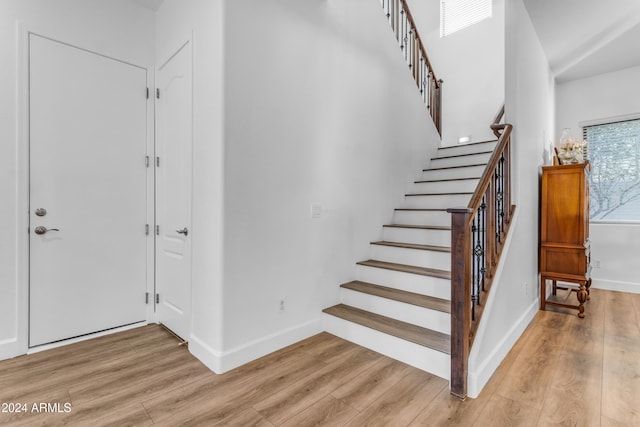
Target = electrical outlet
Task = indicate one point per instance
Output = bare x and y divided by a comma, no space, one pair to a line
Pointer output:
526,289
281,305
596,263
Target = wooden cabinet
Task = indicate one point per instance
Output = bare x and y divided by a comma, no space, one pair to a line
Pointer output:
564,234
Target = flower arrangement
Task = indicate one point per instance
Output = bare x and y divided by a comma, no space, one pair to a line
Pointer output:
570,150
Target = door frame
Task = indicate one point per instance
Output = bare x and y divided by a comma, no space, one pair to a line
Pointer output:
23,187
169,50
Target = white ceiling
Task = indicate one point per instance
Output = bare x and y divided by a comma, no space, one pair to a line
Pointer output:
150,4
582,38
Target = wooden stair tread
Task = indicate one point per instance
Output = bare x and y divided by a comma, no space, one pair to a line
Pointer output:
419,227
412,298
413,246
462,155
454,167
445,180
464,145
403,330
440,194
404,268
422,209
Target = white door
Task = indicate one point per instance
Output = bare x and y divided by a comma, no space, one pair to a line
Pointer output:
87,171
173,192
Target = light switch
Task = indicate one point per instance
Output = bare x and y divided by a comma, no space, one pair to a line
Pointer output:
316,211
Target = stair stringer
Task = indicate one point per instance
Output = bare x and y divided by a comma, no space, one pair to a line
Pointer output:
480,369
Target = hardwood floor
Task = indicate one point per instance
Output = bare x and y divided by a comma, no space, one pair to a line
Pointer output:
563,371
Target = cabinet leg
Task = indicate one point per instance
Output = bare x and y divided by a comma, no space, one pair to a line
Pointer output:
543,292
555,287
582,295
588,289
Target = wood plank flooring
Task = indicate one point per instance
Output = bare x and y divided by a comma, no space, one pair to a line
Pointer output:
563,371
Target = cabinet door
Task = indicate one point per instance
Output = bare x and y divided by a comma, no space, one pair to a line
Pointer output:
564,261
563,205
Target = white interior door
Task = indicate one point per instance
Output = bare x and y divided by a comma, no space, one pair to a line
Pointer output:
173,192
87,170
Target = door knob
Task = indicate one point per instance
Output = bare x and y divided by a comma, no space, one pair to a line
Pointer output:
184,231
43,230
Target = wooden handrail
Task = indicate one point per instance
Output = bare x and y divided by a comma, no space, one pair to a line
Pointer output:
406,32
477,238
420,45
496,127
504,139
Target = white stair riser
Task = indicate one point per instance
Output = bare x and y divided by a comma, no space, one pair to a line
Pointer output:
422,218
470,172
459,161
437,201
467,185
420,357
417,257
466,149
417,236
427,318
426,285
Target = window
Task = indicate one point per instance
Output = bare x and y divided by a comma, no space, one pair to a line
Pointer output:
614,152
458,14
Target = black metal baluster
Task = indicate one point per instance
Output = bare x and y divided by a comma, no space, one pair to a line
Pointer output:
411,46
496,186
502,195
474,274
421,75
483,240
424,81
429,77
401,40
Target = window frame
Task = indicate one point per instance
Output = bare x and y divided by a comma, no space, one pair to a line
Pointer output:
605,121
467,11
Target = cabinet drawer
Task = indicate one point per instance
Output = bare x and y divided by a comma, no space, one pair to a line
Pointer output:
571,261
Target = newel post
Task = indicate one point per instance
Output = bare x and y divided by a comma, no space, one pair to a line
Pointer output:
460,298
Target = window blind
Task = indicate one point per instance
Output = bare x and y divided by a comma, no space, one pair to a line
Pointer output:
614,152
458,14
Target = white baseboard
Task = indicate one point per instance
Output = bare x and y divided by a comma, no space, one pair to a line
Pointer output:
612,285
210,357
479,377
223,361
9,349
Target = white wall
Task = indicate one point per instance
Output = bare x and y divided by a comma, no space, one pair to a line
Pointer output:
530,108
176,21
609,95
116,28
320,109
471,63
599,97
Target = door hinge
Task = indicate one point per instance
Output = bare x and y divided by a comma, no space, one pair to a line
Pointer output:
146,298
147,93
146,161
158,93
146,229
157,230
157,298
158,161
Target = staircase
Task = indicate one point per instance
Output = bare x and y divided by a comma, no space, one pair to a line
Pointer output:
399,304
